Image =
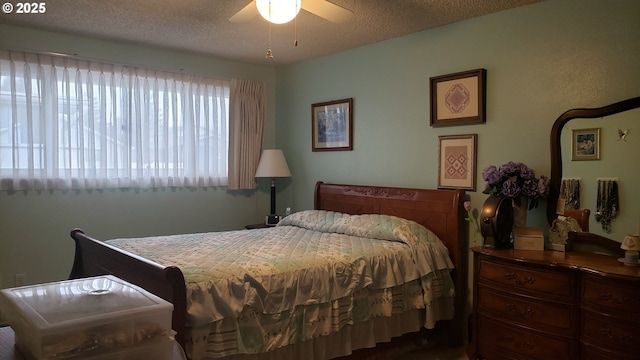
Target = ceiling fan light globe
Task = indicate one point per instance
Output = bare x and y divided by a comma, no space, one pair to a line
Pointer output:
278,11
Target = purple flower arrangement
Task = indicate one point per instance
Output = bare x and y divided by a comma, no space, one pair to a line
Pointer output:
515,179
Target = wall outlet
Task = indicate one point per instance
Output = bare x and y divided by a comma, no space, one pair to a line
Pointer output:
21,279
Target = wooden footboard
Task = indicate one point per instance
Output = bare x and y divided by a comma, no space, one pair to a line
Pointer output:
95,258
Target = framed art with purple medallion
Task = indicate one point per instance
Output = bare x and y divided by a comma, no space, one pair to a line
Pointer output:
458,99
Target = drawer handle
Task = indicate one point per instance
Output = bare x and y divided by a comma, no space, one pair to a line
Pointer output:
526,279
625,300
507,338
525,345
514,309
626,337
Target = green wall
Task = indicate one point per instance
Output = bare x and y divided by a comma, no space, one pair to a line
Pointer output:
541,60
35,225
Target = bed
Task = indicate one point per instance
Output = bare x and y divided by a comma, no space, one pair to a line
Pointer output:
439,211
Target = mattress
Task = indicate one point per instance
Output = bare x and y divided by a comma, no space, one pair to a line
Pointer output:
254,291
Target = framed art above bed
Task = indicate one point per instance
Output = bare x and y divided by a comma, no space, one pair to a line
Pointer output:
332,125
280,311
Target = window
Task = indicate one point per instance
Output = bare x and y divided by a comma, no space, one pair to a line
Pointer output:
67,123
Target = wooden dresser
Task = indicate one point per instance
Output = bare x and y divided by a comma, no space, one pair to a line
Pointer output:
554,305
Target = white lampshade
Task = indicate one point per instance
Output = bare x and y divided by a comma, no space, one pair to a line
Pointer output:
278,11
272,164
631,242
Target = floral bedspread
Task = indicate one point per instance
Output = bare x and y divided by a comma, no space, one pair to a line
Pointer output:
312,258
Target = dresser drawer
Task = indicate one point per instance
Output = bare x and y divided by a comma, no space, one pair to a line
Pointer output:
607,294
596,352
544,315
552,284
495,353
610,332
495,333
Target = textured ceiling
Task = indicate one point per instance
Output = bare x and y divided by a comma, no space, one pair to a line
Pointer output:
203,26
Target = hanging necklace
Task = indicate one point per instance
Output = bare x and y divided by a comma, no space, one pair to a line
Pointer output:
615,206
610,205
576,194
598,214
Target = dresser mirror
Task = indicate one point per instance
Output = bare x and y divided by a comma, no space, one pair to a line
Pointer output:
618,128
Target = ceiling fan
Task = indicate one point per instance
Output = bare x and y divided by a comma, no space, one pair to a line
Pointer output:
322,8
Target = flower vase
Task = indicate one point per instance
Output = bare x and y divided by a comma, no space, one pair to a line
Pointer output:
520,206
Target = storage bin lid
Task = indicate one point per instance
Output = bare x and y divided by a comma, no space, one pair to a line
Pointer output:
82,300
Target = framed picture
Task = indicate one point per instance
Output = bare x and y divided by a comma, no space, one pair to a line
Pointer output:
332,125
585,144
458,99
457,162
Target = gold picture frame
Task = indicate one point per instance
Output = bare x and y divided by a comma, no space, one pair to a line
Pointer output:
457,161
585,144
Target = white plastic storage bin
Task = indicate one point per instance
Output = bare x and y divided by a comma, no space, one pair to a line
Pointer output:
86,317
158,348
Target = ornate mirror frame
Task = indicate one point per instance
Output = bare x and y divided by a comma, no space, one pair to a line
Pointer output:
556,150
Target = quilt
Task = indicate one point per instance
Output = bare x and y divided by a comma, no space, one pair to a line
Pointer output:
256,290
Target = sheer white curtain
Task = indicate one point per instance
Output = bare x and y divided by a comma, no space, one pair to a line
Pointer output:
71,124
247,113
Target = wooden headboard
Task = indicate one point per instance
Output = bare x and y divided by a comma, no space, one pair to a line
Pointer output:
441,211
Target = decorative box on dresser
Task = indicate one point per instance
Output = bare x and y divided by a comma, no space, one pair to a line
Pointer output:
554,305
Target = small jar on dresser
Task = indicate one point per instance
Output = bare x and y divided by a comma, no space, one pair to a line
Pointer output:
553,305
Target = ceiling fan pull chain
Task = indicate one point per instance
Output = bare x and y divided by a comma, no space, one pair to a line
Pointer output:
295,31
269,52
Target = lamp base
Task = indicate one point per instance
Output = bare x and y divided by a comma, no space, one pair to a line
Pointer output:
628,263
272,220
631,257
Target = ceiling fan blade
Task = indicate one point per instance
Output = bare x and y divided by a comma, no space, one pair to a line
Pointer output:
246,13
327,10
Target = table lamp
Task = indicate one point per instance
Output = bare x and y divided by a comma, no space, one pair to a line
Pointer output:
631,244
272,165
